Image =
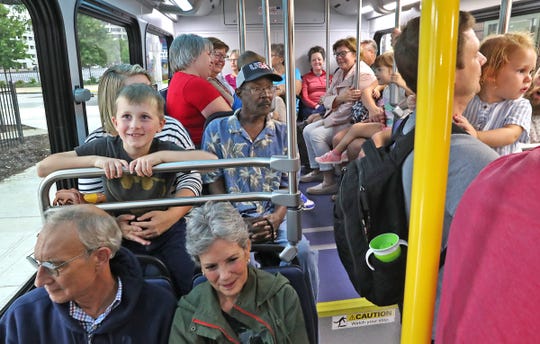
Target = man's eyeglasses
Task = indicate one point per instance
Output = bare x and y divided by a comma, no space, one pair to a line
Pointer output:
220,56
51,268
260,91
341,53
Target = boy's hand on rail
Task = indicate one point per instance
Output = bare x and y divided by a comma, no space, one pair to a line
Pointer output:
112,167
130,229
143,166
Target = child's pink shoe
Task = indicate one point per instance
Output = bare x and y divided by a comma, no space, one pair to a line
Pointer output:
329,158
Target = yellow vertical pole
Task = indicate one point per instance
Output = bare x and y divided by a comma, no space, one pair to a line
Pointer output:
436,71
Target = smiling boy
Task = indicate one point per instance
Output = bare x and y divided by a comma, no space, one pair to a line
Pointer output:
139,116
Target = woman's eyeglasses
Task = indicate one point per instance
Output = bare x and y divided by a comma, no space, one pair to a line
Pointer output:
220,56
341,53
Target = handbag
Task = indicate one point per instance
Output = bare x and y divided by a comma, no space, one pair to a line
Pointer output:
359,113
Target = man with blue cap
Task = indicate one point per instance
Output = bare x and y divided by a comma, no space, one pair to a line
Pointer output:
249,132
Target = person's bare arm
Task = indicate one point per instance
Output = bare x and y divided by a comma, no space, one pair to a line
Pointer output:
65,160
501,136
143,166
297,87
217,186
216,105
277,217
376,114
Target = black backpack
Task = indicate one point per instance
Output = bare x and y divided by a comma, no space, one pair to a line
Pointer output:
370,201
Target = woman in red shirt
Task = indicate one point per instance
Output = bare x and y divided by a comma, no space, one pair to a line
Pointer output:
314,84
190,97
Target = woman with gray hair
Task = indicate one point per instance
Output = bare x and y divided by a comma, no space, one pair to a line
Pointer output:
190,97
238,303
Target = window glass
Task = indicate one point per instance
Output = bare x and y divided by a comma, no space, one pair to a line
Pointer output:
157,59
101,45
524,23
386,43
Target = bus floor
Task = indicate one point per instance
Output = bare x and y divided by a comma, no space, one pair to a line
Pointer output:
344,317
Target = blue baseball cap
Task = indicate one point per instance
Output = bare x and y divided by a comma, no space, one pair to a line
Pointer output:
255,70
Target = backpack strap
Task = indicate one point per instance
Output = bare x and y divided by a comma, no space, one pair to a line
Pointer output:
400,144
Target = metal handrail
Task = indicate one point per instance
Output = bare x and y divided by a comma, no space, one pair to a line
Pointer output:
290,198
277,162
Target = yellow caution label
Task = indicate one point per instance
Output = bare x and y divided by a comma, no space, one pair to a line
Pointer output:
367,318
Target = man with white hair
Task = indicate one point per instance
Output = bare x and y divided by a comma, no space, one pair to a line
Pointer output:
89,289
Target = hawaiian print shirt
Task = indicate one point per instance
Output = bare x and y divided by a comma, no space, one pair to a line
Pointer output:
226,138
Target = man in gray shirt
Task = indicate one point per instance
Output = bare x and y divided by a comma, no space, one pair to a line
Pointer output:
468,156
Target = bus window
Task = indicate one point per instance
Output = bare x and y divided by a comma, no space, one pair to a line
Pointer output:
386,43
101,45
157,59
524,23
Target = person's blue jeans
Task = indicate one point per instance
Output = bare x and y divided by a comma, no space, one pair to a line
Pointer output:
307,257
170,248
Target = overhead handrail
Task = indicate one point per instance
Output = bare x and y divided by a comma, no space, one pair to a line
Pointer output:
436,74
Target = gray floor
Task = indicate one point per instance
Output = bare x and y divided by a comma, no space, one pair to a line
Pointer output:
373,327
356,325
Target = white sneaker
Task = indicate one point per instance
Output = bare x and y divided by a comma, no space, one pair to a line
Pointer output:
307,204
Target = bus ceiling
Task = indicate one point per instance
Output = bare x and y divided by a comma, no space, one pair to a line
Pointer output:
370,8
343,7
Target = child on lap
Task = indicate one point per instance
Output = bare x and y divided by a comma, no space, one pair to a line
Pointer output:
498,115
384,72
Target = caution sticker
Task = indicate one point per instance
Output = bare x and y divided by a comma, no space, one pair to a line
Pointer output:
363,319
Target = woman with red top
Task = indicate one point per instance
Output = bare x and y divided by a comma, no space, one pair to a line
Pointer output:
314,84
190,97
